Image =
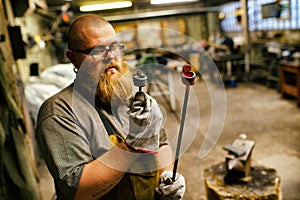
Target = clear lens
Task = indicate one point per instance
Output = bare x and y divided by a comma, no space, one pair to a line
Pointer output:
100,52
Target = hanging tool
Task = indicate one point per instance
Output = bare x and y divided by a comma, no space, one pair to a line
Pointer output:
188,79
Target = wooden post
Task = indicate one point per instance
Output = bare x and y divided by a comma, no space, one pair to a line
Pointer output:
245,24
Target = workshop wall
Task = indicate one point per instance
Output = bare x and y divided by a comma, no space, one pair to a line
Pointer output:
38,43
18,178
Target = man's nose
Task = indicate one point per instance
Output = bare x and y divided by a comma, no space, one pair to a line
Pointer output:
108,57
109,54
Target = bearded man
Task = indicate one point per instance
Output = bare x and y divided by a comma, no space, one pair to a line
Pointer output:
100,141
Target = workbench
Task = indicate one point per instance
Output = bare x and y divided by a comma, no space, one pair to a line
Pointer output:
290,80
228,60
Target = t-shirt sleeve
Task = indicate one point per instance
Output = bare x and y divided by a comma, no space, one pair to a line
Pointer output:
65,152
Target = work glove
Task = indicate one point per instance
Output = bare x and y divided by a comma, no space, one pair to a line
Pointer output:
169,190
145,123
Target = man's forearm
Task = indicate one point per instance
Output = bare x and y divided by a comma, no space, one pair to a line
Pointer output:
103,174
165,158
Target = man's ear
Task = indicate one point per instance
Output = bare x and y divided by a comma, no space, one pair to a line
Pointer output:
72,57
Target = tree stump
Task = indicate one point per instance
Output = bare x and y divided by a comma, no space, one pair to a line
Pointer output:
262,183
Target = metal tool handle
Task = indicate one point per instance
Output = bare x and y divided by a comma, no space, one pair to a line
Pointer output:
188,79
139,80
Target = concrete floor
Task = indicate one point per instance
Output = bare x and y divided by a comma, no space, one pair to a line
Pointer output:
273,123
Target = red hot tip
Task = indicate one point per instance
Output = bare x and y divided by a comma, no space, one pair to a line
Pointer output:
188,76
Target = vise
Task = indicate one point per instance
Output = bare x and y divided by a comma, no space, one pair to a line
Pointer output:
238,159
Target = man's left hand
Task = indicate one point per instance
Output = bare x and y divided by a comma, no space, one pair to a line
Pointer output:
169,190
145,123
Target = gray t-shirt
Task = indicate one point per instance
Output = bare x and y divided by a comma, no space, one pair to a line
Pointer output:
71,134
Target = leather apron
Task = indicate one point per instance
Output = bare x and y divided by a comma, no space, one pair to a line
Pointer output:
133,186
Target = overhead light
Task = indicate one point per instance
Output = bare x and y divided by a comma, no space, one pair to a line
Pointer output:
170,1
105,6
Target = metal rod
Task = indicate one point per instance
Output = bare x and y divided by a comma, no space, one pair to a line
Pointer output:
186,96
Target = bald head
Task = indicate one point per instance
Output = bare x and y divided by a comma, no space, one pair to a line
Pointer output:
84,28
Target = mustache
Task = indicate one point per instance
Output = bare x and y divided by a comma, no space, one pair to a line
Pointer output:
113,64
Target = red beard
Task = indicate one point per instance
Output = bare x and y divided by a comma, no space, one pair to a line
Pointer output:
113,91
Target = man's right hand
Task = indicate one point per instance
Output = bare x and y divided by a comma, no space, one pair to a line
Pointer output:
145,123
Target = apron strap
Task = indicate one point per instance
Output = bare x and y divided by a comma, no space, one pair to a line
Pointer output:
110,130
